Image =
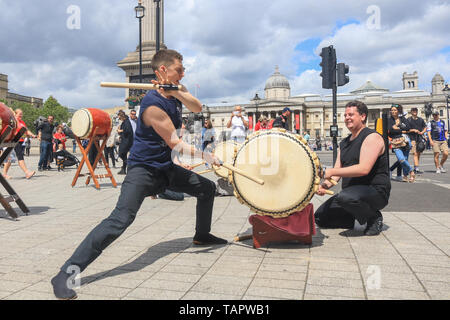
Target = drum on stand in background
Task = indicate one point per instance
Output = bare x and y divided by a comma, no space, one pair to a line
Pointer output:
225,151
7,118
84,122
289,168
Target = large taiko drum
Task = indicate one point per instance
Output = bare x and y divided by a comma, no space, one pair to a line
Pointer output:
84,122
225,151
289,168
7,117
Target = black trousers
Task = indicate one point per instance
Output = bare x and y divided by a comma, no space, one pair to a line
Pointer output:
109,152
361,202
139,183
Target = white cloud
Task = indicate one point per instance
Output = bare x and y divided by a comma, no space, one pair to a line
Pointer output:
230,47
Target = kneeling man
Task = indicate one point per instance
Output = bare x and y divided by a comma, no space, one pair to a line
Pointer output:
363,166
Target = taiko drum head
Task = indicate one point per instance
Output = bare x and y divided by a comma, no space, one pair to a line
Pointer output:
84,122
289,168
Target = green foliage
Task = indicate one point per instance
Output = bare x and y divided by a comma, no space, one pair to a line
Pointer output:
30,113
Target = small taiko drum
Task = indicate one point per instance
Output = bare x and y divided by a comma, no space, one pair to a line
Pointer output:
289,168
225,151
7,118
85,121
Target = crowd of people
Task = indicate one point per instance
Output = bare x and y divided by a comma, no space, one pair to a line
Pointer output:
414,135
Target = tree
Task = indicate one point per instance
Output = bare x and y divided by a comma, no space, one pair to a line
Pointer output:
30,113
59,112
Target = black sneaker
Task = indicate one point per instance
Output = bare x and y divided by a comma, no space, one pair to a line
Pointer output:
40,169
122,171
207,239
60,289
374,227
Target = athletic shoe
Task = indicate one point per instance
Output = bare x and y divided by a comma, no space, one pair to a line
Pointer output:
374,227
417,170
443,170
438,170
405,179
207,239
60,289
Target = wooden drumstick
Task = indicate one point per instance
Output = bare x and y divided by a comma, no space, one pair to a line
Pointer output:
144,86
333,182
243,237
198,164
242,173
205,171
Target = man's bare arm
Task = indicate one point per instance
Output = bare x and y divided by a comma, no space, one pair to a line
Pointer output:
371,149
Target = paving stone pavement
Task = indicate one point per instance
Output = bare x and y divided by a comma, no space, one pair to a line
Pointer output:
155,258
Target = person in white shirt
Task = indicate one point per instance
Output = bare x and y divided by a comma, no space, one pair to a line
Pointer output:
238,124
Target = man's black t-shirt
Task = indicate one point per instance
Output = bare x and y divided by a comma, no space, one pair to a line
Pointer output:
418,124
46,131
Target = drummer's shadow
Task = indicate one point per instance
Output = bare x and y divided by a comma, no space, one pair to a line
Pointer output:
151,256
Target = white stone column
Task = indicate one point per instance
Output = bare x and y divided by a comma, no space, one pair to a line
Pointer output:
149,21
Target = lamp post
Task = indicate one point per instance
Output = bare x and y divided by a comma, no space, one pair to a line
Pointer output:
446,92
157,24
140,13
256,99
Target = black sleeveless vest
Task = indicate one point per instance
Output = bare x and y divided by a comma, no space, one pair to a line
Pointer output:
378,177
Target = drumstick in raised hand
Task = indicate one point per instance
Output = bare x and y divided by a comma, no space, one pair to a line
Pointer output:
144,86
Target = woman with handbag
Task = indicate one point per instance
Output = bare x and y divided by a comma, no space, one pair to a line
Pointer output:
397,127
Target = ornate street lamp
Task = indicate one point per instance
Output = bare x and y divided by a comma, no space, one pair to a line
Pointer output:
256,99
446,92
140,13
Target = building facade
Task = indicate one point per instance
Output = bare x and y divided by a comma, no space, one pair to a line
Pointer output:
314,113
10,97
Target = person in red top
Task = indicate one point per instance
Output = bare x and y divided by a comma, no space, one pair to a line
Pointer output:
263,124
59,135
18,149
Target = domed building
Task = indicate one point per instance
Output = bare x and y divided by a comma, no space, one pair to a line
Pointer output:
277,86
314,113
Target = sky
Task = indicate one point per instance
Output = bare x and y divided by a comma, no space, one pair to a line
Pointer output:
230,47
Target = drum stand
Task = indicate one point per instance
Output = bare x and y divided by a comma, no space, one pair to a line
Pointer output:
93,141
13,196
299,226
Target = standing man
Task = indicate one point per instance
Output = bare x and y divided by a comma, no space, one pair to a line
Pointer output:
45,136
283,120
438,135
362,163
126,139
133,120
238,124
151,170
417,128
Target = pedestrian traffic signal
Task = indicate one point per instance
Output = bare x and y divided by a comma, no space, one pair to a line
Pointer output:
328,65
342,78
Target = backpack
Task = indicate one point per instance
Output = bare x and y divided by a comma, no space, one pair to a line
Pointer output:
420,144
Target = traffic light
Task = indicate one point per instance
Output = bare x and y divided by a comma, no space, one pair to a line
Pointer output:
328,65
342,78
